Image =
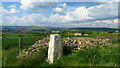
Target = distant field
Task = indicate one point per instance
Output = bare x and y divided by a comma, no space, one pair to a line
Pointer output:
12,41
16,34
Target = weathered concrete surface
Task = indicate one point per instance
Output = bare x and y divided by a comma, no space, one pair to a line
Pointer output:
20,43
55,48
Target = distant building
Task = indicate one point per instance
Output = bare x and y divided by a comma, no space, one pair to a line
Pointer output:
55,31
86,34
78,34
116,31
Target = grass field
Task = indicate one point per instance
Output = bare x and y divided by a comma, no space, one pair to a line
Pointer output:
91,57
10,46
13,42
106,56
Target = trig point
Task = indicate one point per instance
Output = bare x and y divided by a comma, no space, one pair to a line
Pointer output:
55,48
20,43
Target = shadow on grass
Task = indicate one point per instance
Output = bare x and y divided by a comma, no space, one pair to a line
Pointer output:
67,50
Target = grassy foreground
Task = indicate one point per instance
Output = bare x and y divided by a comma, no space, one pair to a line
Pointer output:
105,56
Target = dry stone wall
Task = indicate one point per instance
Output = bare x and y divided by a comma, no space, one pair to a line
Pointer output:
79,43
34,48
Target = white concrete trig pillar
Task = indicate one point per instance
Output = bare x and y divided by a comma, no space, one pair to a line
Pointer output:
20,43
55,48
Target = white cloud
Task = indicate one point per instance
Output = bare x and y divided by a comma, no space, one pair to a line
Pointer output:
37,4
12,6
64,5
113,21
3,10
13,10
57,9
99,23
36,18
116,21
29,20
56,18
99,0
106,10
81,13
7,12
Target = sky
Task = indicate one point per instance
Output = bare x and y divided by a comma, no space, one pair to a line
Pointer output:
103,13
